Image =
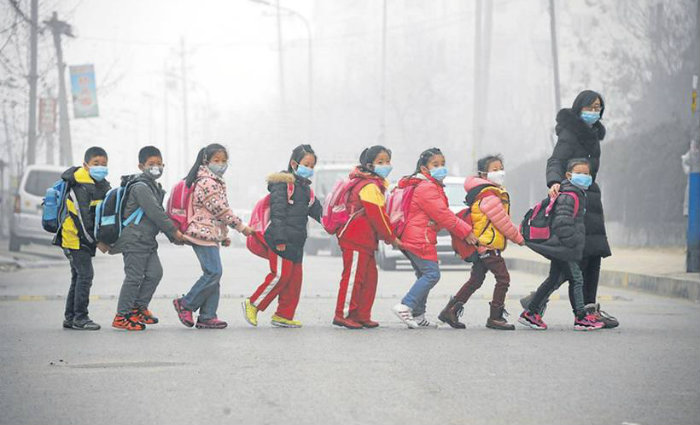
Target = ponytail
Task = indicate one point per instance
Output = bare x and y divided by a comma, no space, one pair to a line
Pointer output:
203,157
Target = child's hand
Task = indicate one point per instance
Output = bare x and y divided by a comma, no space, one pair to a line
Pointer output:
103,247
247,231
472,239
281,247
179,238
397,244
226,242
554,190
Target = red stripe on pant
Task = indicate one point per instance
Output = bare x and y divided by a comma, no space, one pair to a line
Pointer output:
358,285
284,280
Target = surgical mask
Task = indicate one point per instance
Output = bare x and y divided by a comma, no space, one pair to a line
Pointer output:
438,173
304,171
383,170
218,169
589,117
99,172
582,181
154,171
497,177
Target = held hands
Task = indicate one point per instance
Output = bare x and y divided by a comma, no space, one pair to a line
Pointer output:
247,231
281,247
397,244
554,190
226,242
472,239
103,247
179,238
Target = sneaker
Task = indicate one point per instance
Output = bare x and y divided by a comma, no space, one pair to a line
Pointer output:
128,322
589,322
184,315
532,320
145,316
403,312
346,323
67,323
370,324
85,325
525,302
281,322
250,312
212,323
424,323
608,320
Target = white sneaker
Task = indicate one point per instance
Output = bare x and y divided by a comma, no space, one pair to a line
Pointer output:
403,312
424,323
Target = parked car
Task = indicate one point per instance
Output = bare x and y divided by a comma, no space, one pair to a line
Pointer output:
26,219
387,256
325,177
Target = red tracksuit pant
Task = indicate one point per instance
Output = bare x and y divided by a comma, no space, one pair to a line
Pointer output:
358,285
284,280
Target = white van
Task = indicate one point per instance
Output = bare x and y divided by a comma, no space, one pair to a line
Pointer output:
387,256
26,219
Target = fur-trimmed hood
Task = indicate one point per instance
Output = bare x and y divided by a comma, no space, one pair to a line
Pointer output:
567,119
281,177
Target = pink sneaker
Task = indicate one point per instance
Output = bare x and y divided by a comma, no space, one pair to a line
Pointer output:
532,320
588,322
213,323
184,315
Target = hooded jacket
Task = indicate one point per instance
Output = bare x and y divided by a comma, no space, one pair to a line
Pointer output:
491,215
578,140
371,223
428,213
568,235
147,194
78,228
289,217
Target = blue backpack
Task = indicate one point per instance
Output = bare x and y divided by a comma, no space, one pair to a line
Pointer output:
109,214
53,207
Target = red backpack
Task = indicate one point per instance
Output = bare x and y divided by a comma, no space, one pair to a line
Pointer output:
397,206
179,206
260,220
336,211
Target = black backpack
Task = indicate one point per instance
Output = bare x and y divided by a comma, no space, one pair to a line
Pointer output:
537,223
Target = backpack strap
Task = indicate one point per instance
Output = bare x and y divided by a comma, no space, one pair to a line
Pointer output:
576,202
74,198
477,193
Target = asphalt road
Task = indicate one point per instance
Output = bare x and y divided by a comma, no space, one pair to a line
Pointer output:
645,372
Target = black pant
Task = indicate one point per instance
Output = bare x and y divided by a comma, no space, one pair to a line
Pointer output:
569,270
81,280
590,266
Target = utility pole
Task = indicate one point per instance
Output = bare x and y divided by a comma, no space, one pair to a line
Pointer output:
185,110
693,231
59,28
555,54
476,120
33,77
382,128
165,103
280,53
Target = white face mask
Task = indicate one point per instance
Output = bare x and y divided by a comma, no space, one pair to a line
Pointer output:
497,177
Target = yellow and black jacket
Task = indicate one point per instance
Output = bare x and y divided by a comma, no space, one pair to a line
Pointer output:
84,194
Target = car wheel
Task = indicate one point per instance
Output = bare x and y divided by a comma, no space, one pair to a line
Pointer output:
15,243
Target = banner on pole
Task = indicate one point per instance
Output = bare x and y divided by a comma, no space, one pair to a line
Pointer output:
47,115
84,91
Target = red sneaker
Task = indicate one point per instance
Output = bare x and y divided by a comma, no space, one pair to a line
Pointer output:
346,323
184,315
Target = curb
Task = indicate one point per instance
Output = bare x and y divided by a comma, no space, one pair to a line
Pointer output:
667,286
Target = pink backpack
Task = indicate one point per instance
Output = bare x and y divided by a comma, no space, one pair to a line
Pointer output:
179,206
336,214
397,206
260,220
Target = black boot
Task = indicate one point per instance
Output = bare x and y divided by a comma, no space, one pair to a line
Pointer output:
451,313
496,320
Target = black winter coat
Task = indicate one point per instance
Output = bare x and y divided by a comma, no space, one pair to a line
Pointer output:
289,217
577,140
568,236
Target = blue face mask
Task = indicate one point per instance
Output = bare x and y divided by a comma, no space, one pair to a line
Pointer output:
590,118
99,172
383,170
304,171
438,173
582,181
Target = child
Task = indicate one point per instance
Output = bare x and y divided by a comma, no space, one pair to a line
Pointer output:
208,228
138,245
87,188
564,248
285,236
428,213
490,212
358,239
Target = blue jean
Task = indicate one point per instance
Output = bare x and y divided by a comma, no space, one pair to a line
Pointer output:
204,295
428,274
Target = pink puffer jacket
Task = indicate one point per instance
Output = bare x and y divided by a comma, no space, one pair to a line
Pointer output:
428,213
211,213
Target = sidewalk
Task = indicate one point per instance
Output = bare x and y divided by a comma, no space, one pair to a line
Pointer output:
660,271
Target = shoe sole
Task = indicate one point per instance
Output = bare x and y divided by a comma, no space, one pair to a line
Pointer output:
284,325
585,328
370,326
450,324
128,330
341,325
501,328
245,315
86,329
188,324
198,326
530,325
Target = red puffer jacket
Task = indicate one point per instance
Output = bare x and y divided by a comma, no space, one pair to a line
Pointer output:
371,222
428,213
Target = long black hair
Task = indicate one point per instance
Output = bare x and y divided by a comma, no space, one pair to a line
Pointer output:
203,157
368,156
425,158
586,98
298,154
